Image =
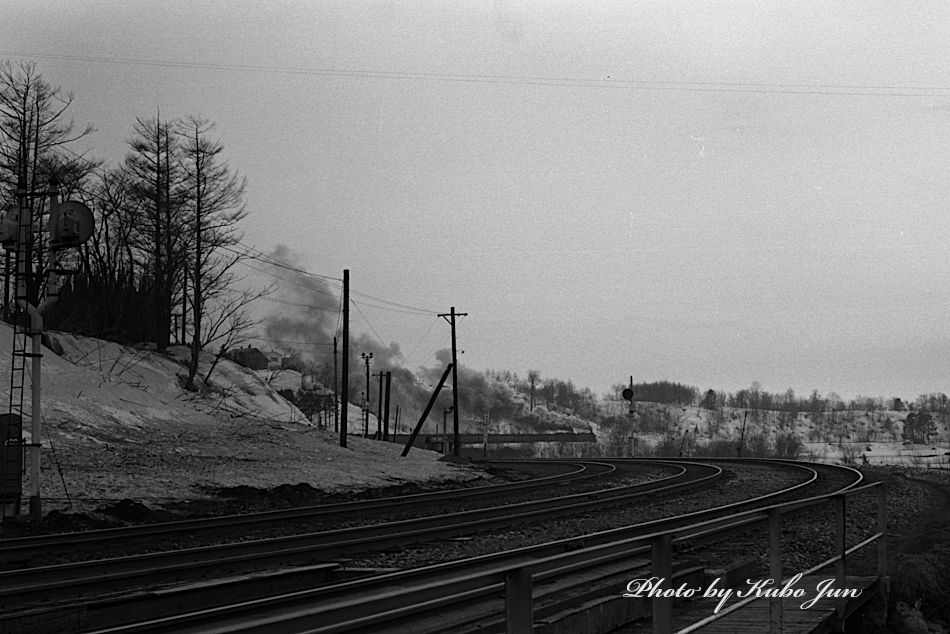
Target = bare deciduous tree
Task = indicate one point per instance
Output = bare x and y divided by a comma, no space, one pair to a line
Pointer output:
158,189
215,200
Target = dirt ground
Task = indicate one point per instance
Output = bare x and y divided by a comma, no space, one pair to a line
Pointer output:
172,470
918,549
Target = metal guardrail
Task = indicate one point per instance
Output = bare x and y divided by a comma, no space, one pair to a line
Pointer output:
664,625
518,579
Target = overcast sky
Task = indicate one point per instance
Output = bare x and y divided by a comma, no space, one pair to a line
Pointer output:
712,193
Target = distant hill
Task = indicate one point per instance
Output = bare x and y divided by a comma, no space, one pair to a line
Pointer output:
848,435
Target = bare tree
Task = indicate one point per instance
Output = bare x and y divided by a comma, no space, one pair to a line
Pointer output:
34,135
533,377
227,327
157,185
216,206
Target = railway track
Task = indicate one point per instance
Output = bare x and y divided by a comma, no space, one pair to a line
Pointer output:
103,577
454,596
19,552
388,535
106,575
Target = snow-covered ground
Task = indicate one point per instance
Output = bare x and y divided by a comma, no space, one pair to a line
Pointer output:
117,425
835,437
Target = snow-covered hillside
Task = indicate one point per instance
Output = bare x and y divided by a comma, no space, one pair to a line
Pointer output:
831,436
118,425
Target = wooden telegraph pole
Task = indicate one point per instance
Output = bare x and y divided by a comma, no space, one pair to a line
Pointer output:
455,379
346,355
379,405
389,383
336,392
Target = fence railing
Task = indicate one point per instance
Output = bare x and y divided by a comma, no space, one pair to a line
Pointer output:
663,625
519,578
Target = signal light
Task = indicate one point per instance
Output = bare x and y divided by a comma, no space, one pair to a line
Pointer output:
9,228
70,224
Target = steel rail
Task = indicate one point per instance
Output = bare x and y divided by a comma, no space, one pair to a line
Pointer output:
284,613
66,579
15,549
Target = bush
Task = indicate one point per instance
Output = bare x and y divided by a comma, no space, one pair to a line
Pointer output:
756,446
717,449
668,447
787,446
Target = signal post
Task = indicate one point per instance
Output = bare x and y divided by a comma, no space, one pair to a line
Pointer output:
70,225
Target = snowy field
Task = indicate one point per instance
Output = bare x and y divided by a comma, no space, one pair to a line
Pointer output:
880,454
117,425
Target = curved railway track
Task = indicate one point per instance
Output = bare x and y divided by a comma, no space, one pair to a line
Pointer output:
19,551
103,575
284,612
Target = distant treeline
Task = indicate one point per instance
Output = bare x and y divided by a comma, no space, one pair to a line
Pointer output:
553,394
755,398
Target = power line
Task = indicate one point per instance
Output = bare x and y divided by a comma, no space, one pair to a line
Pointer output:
409,309
380,339
254,254
440,346
298,304
257,254
386,304
421,339
301,343
284,279
852,90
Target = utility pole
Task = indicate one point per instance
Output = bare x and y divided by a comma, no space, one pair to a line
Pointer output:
336,393
445,435
366,358
742,435
389,383
379,406
455,379
346,355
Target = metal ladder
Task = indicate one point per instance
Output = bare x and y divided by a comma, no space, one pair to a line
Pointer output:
21,343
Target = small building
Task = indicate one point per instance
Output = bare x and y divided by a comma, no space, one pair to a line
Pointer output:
249,357
275,360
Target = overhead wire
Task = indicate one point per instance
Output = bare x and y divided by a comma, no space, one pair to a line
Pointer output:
257,254
383,304
284,341
373,329
607,81
407,309
289,303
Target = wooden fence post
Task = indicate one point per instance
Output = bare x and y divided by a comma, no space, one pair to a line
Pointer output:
882,528
663,568
841,521
519,611
775,568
